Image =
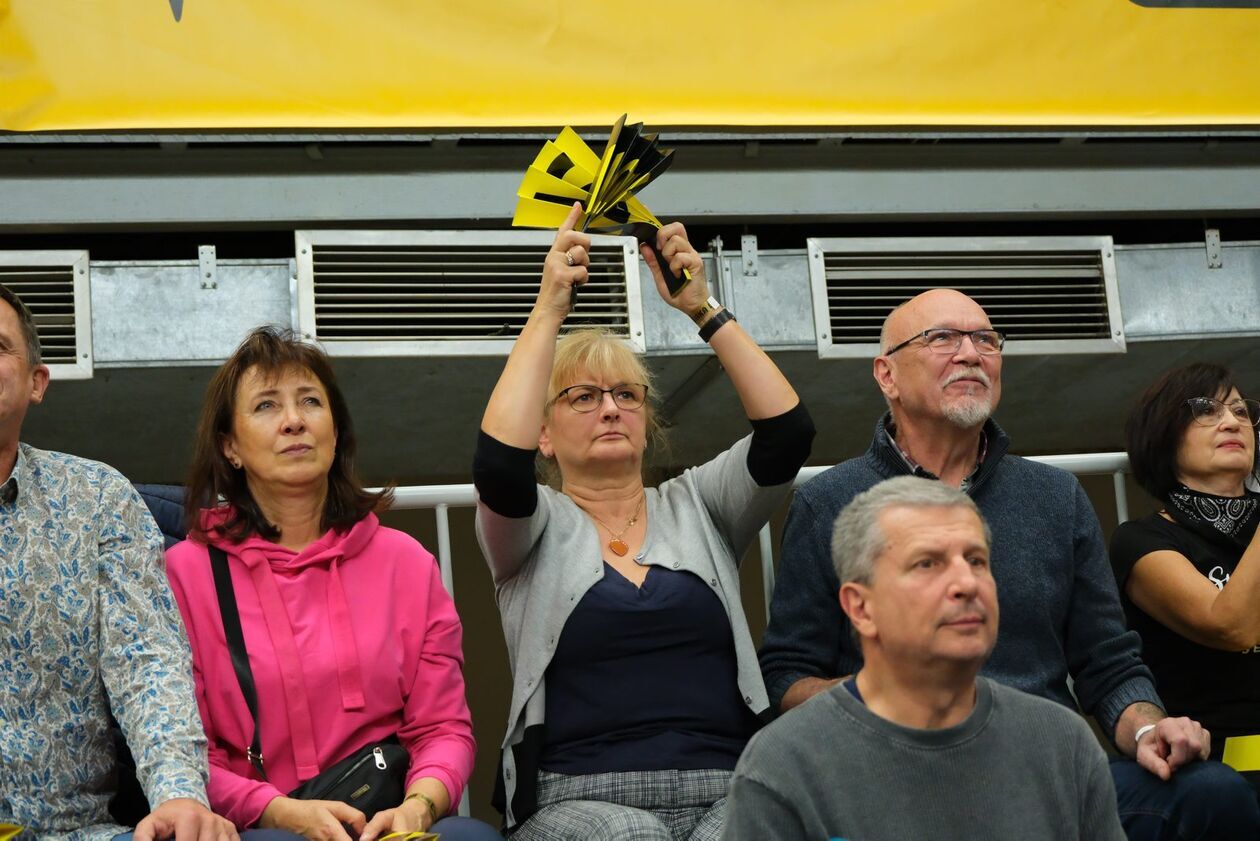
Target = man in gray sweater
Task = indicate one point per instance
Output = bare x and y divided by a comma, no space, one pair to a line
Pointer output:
941,372
916,745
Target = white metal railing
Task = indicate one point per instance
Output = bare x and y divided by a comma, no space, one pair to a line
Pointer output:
441,498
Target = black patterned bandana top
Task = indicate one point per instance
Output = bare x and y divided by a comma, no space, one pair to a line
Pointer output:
1220,519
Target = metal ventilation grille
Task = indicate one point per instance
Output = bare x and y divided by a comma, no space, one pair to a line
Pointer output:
54,285
447,292
1053,294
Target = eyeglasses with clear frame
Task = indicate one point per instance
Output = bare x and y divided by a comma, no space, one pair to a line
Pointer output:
945,340
1208,411
587,398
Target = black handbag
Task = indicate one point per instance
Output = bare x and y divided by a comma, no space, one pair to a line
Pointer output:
370,779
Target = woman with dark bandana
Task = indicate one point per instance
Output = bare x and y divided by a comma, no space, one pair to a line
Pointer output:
1189,574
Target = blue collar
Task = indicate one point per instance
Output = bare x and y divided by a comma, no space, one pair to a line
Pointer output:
9,490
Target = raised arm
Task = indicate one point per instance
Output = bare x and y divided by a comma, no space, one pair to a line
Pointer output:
514,414
761,387
503,464
782,428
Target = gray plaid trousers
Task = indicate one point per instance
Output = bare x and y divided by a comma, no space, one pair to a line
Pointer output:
628,806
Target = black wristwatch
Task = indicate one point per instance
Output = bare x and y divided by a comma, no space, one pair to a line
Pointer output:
717,320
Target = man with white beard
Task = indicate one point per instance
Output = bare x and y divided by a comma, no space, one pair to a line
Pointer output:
941,373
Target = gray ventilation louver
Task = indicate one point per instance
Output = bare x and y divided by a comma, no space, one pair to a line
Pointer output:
1048,294
57,288
449,293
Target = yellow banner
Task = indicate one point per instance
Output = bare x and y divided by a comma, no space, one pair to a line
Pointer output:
421,64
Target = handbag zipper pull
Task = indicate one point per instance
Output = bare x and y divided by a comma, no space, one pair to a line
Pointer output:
379,756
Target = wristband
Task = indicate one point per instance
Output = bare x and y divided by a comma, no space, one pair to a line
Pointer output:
717,320
1142,731
705,309
428,801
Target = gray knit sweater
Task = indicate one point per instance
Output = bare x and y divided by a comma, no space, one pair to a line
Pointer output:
1017,767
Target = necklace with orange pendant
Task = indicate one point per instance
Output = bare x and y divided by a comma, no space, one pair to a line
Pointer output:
618,546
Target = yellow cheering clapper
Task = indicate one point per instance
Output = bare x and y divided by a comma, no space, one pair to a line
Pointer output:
567,170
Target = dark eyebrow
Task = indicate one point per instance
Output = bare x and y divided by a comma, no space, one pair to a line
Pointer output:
275,392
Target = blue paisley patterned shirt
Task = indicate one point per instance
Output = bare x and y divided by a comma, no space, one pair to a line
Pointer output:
87,624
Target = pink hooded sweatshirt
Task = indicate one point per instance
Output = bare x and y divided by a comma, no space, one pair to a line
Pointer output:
350,640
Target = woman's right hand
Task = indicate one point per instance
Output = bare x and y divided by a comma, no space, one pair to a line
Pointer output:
318,820
565,268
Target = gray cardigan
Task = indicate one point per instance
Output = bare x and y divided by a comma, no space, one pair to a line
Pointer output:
701,522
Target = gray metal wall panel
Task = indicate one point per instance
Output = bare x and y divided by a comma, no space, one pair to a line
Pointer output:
773,305
167,313
665,329
1168,292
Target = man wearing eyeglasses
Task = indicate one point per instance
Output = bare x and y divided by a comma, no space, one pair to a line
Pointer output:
940,372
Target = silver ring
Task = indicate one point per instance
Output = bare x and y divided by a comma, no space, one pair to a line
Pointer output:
568,258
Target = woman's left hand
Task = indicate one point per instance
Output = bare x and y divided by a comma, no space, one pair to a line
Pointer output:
409,816
677,250
761,387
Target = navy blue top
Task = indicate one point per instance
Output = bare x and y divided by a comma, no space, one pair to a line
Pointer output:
851,685
644,679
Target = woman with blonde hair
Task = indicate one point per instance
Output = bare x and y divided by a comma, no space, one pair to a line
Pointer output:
635,680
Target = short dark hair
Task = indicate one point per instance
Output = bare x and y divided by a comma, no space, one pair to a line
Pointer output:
212,478
29,332
1153,432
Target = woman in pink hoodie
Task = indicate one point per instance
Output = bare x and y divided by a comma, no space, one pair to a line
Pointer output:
351,637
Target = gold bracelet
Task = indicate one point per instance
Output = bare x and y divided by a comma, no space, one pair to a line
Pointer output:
428,801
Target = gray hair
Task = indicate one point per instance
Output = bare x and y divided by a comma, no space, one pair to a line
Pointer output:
858,540
27,323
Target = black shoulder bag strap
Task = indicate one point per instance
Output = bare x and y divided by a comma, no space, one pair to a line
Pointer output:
236,647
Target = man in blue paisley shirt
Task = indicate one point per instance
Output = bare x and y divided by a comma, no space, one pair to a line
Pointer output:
87,626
